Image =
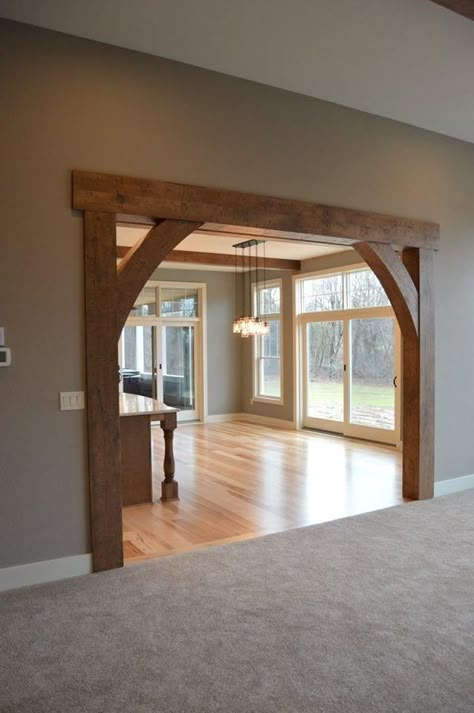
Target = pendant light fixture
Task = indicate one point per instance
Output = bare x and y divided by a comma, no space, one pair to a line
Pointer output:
248,325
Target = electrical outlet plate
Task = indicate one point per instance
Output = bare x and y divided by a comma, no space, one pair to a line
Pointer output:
71,401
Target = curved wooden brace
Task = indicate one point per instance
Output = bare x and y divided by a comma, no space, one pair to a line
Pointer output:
397,283
139,263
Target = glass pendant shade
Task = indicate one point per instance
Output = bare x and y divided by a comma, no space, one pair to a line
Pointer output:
250,326
247,325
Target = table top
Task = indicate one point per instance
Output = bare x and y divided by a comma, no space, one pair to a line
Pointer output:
134,405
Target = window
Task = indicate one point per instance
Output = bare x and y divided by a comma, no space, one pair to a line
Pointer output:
145,304
364,290
269,300
267,349
320,294
354,289
178,302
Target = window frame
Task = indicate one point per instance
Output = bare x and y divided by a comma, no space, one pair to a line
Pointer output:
344,272
256,342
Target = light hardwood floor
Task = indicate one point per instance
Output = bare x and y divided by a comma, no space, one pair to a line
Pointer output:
239,480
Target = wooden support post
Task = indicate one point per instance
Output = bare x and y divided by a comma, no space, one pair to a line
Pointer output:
103,424
418,360
169,486
184,209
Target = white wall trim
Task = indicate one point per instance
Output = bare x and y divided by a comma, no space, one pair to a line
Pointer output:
268,421
453,485
221,417
47,571
252,418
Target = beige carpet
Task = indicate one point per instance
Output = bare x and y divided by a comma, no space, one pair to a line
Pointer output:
369,614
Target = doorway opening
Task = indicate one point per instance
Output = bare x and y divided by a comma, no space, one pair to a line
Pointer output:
174,211
240,477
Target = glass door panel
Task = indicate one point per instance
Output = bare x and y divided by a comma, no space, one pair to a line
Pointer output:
350,382
324,373
372,372
178,368
138,370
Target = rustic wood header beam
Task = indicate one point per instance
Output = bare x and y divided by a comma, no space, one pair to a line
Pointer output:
220,259
461,7
160,199
178,210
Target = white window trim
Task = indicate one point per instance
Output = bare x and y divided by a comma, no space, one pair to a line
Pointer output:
257,398
344,271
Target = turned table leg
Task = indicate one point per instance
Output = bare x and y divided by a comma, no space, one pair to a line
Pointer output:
169,486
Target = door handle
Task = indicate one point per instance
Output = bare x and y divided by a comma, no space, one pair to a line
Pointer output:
394,382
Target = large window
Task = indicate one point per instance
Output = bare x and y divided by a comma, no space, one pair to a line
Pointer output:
267,381
354,289
173,302
178,302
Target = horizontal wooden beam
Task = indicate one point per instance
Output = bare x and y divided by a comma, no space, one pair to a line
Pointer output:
461,7
292,218
220,259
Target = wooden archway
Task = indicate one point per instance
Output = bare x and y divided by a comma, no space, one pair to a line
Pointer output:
176,211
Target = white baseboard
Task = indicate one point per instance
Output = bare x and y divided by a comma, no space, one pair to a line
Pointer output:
47,571
251,418
454,485
220,417
268,421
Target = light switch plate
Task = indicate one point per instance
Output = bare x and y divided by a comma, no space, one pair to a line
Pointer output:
2,336
71,401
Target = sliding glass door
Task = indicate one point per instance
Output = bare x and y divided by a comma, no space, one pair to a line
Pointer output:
324,374
350,375
177,368
373,375
138,360
162,347
159,360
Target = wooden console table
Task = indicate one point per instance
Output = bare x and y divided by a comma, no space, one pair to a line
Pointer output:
136,414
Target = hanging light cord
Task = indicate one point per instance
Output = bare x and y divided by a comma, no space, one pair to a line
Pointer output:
235,281
257,294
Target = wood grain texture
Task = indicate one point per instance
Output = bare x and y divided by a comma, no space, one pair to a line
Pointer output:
182,209
396,281
144,257
219,259
169,486
103,427
461,7
136,459
418,366
240,480
138,196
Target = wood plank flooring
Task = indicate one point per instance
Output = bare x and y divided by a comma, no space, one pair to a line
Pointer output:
238,480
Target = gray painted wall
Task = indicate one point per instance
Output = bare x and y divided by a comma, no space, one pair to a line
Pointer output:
223,347
68,103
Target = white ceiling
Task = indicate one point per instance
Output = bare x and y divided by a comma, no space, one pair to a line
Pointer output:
409,60
203,242
217,243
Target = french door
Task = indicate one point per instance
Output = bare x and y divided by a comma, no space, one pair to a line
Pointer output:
160,359
350,375
177,347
